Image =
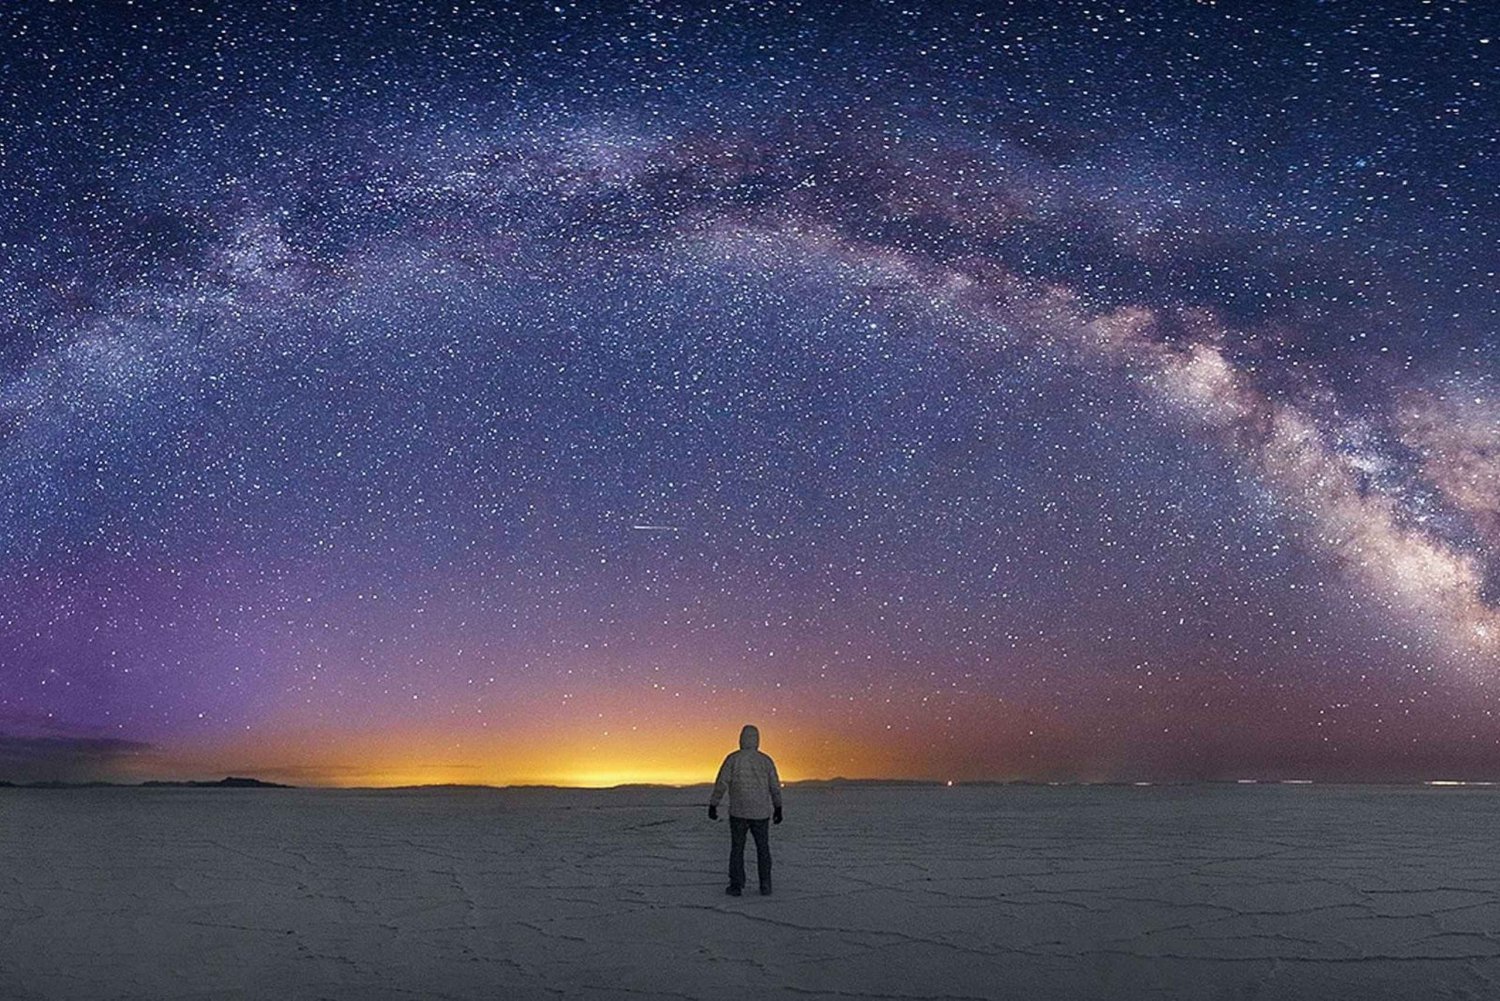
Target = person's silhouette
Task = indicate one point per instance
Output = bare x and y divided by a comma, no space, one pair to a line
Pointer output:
749,778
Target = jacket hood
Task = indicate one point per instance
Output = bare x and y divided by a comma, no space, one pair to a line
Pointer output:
749,738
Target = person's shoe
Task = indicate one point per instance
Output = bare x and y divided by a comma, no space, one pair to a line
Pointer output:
765,889
733,891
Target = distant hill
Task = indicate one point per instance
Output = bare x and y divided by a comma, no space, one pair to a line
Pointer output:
840,781
230,782
440,787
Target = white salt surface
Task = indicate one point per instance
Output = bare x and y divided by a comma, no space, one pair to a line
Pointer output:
1028,893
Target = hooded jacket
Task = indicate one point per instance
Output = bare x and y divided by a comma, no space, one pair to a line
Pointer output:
749,778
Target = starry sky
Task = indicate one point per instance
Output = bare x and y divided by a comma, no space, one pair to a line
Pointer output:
398,392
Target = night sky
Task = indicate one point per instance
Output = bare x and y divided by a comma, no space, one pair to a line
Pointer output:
404,392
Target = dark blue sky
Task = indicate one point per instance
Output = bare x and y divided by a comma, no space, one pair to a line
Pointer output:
530,392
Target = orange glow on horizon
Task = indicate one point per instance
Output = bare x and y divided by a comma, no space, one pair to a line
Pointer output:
677,756
601,739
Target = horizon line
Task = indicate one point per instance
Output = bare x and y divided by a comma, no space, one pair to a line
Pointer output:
252,782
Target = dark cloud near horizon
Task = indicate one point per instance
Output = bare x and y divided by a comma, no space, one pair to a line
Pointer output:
32,758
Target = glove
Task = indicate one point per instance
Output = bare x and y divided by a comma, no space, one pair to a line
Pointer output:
776,817
713,812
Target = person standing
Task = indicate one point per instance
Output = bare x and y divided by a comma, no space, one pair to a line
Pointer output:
748,777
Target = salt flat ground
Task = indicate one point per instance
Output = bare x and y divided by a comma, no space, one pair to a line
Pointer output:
1028,893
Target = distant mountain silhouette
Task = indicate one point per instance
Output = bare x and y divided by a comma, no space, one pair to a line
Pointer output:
230,782
429,787
841,781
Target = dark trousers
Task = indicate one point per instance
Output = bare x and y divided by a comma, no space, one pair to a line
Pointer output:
761,829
